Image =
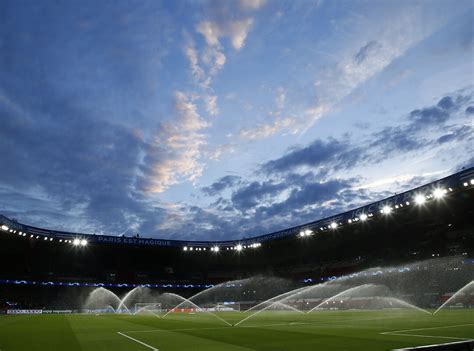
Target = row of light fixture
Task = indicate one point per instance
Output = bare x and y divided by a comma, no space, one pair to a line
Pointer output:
238,247
75,242
419,200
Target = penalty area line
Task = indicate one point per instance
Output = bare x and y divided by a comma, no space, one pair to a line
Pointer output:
406,332
138,341
429,336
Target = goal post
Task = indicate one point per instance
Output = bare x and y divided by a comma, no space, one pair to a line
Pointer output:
228,307
152,307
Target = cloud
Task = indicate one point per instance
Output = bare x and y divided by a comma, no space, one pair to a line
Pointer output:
390,140
238,31
446,103
307,194
280,98
173,155
252,4
457,133
415,134
193,58
222,184
206,65
367,51
429,115
317,154
252,194
266,130
400,180
235,30
215,153
210,103
214,58
227,23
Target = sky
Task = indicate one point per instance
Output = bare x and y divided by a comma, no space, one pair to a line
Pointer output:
213,120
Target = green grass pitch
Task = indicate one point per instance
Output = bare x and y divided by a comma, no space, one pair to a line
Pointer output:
268,330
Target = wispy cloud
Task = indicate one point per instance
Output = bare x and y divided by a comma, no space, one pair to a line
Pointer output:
235,30
174,153
354,68
193,57
266,130
210,102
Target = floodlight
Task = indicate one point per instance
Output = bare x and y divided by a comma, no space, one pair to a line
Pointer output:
363,217
308,232
238,247
5,228
386,210
185,248
333,225
83,242
472,181
439,193
216,248
420,199
465,184
76,242
302,233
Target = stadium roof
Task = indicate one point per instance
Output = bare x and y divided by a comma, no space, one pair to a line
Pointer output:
419,196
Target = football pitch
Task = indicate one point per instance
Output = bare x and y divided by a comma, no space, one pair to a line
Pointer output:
268,330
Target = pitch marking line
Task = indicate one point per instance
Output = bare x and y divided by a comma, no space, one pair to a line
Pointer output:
406,332
138,341
261,326
429,346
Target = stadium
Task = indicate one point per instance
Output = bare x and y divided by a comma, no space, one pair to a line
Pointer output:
236,175
325,284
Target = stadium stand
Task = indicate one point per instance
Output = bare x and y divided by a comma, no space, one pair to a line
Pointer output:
37,262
